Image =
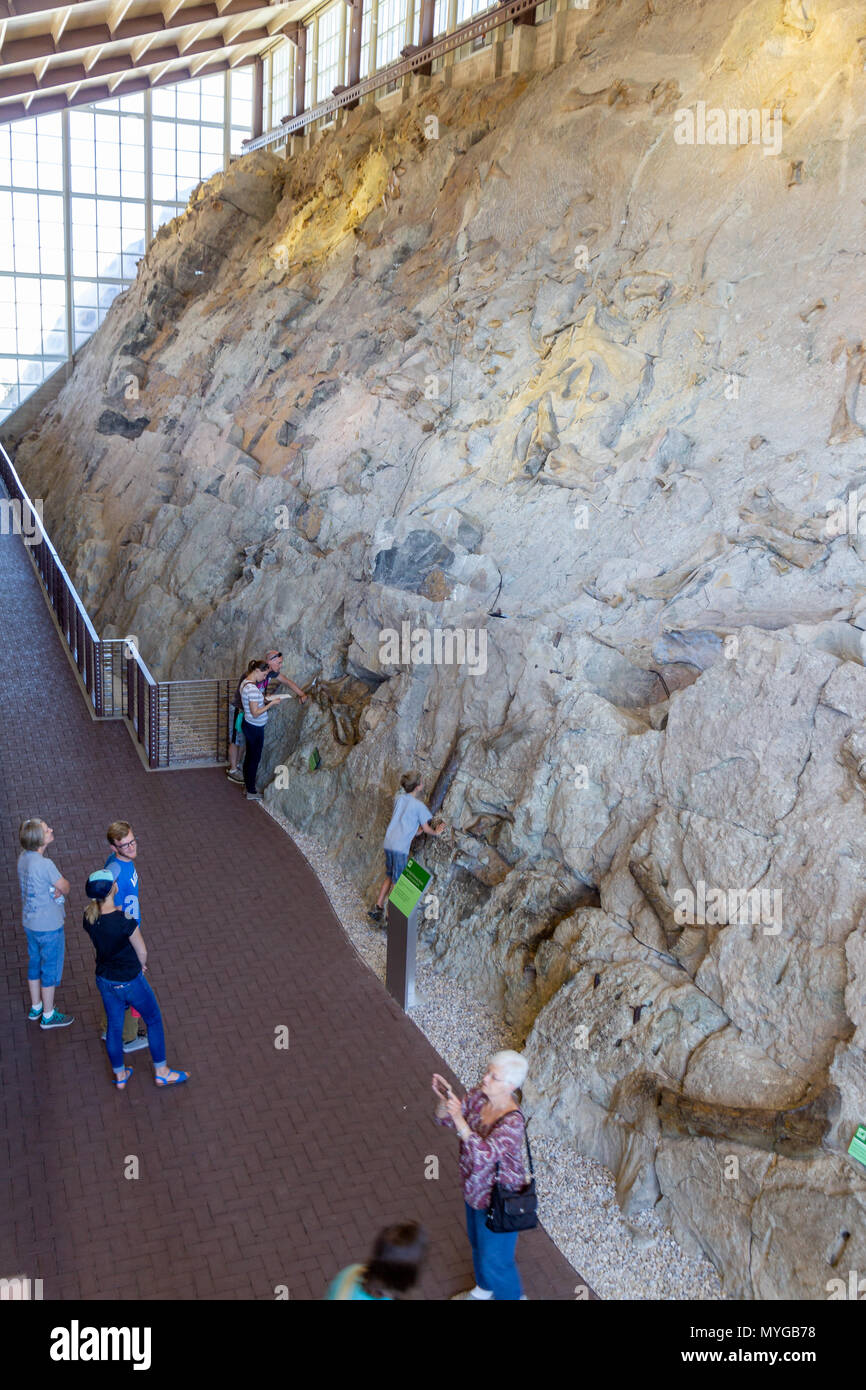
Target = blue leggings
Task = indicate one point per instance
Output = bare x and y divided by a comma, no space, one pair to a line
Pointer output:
116,994
493,1257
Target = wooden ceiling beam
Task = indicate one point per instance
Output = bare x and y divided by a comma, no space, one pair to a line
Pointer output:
142,55
62,101
28,9
117,13
72,40
59,23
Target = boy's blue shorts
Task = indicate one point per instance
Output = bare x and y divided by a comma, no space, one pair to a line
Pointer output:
395,863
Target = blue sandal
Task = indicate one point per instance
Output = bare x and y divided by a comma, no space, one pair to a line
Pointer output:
164,1081
121,1085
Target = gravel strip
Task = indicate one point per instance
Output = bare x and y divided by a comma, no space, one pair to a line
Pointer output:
634,1259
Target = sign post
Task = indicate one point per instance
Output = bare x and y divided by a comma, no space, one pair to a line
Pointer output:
403,905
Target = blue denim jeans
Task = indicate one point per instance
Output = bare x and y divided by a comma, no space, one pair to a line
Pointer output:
45,953
493,1257
255,740
116,994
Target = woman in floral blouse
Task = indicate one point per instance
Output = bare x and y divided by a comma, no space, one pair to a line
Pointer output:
491,1130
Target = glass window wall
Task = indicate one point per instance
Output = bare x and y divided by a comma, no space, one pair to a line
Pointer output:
330,73
281,95
51,302
392,30
33,285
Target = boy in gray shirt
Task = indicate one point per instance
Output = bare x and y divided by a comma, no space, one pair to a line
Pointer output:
43,894
409,816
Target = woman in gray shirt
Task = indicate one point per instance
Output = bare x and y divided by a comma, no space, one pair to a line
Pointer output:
256,706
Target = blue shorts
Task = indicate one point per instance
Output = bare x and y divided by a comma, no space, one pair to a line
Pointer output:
395,863
45,953
236,732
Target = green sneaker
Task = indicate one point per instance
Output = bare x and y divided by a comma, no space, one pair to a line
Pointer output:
56,1020
35,1012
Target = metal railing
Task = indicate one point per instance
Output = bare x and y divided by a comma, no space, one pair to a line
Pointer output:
177,723
383,77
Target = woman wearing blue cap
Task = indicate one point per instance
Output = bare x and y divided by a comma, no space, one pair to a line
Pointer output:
121,960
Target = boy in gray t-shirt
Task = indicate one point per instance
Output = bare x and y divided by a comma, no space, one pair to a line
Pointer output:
43,895
410,816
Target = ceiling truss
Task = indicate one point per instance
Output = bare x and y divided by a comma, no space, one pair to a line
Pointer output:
54,56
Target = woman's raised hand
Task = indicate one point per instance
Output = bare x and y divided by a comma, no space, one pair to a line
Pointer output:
454,1107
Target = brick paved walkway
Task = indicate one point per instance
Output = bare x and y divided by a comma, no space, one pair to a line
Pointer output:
270,1167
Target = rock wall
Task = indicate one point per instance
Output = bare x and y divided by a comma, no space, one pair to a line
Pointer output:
544,372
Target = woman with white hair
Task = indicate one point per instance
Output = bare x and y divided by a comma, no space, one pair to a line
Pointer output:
492,1131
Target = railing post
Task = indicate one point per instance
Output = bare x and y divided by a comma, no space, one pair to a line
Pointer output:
130,690
97,674
139,703
153,725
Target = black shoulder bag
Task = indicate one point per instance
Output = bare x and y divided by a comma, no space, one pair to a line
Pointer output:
513,1211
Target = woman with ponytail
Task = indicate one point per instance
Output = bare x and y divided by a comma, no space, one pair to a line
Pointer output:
121,960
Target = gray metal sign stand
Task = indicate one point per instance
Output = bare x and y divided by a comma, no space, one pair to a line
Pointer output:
400,964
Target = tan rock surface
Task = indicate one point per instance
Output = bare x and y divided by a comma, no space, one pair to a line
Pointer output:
573,393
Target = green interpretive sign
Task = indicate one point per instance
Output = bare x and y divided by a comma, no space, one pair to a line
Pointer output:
409,888
857,1147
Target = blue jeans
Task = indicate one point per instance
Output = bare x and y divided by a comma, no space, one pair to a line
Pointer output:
45,952
116,994
255,740
493,1257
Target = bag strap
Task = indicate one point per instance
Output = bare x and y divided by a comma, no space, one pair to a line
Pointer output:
525,1138
526,1141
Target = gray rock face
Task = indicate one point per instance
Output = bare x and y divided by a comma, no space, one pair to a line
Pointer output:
112,422
607,441
408,565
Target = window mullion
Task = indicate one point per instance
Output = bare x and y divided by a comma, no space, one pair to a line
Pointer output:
148,170
67,232
227,117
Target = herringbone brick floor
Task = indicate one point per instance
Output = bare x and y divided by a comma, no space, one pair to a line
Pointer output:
271,1167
